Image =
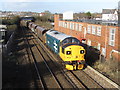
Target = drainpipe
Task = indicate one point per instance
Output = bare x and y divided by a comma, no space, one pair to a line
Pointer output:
106,41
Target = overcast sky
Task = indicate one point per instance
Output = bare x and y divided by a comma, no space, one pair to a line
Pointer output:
58,6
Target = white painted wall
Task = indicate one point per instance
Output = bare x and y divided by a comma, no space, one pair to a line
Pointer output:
68,15
110,17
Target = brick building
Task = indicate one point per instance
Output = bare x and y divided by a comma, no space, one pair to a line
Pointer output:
103,37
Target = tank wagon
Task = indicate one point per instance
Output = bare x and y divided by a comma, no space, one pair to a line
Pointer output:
67,47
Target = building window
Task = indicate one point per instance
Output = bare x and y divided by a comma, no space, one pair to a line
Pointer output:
93,30
67,24
88,29
73,26
89,42
103,52
80,27
70,25
77,27
63,24
59,23
99,31
112,37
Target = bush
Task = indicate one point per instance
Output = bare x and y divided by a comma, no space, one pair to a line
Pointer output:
109,67
46,25
11,27
14,20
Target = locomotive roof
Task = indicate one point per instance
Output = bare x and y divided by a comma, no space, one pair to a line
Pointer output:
58,35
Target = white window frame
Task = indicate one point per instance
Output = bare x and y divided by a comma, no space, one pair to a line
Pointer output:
68,24
80,27
77,27
93,29
103,51
59,23
89,29
89,42
99,30
73,25
112,36
65,26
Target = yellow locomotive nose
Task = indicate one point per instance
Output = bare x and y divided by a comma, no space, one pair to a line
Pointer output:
73,56
74,52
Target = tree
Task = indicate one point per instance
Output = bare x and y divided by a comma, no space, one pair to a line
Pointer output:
15,20
48,15
88,14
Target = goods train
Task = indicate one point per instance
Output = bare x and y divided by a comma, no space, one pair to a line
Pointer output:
67,47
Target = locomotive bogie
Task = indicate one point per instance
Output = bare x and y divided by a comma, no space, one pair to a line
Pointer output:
74,67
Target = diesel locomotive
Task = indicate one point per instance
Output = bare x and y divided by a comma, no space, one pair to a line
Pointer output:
67,47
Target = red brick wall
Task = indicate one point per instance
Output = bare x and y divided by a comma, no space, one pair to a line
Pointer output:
103,39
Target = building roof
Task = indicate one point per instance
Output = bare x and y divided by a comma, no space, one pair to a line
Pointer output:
108,11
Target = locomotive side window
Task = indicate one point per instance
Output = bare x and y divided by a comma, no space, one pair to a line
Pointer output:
62,50
65,41
73,40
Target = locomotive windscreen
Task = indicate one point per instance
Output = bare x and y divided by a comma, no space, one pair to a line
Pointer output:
70,40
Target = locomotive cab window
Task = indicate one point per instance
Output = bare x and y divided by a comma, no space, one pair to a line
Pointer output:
65,42
70,40
75,41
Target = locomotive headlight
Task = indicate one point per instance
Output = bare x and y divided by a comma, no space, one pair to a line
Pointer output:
82,51
68,52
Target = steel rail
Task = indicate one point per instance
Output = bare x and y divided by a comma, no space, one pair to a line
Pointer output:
29,51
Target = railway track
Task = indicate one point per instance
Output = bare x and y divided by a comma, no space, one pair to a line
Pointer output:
83,77
53,67
49,70
45,75
72,77
32,62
